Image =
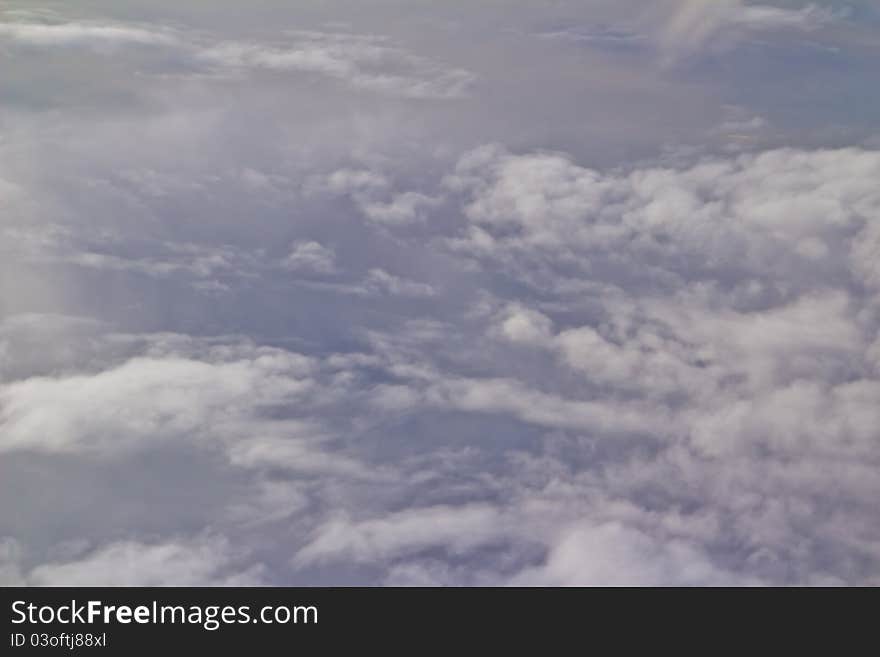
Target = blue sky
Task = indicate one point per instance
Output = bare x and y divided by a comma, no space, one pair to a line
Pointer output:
388,292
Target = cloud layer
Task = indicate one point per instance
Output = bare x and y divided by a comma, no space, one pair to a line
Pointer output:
421,296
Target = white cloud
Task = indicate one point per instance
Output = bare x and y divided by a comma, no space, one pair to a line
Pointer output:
804,417
144,400
615,555
311,257
295,446
650,358
457,529
367,62
401,209
865,255
524,325
696,25
769,214
508,397
205,561
372,193
91,35
347,181
379,281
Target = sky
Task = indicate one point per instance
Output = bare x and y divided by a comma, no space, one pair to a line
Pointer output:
386,292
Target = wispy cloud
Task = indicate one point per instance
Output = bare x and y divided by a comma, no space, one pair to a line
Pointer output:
368,62
695,25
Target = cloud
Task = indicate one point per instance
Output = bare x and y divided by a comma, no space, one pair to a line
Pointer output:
188,259
458,529
865,257
775,213
373,195
315,307
615,555
697,25
401,209
311,257
524,325
97,36
379,281
681,31
376,284
148,401
670,338
368,62
508,397
757,345
198,562
293,448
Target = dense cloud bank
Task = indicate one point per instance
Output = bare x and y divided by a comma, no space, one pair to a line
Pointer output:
335,295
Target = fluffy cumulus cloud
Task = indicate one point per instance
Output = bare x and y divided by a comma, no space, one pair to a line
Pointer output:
322,294
143,399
